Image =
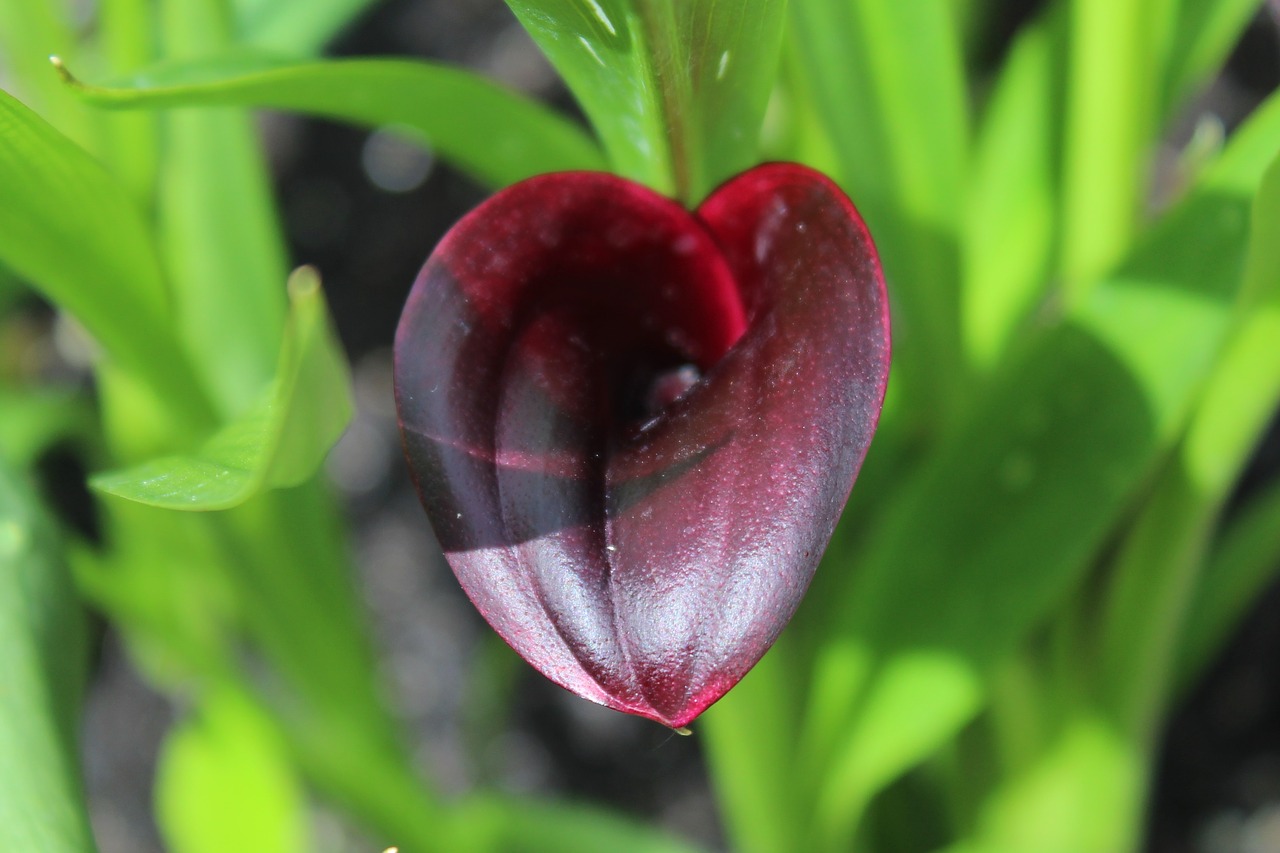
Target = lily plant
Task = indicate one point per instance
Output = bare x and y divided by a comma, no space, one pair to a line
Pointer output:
636,387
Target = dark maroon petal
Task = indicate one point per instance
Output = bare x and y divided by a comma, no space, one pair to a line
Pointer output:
634,428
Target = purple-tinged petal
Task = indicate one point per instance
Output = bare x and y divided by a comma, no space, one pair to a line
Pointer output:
634,427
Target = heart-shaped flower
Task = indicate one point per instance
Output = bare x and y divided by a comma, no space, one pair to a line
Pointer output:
634,427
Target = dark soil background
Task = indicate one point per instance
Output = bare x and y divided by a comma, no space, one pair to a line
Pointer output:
366,210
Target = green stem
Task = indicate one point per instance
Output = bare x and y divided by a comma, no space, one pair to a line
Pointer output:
750,741
675,99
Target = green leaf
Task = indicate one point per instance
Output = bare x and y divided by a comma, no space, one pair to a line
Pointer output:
1243,562
496,136
29,33
887,78
1009,234
37,419
270,577
304,26
676,91
126,37
1238,404
750,744
220,233
1083,792
179,617
280,442
1116,55
496,824
11,290
43,656
1011,511
732,50
1245,388
1205,33
224,782
1156,578
68,228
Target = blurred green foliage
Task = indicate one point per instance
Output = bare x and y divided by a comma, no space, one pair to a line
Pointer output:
1035,563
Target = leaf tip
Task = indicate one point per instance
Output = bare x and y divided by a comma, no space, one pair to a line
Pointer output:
303,283
63,71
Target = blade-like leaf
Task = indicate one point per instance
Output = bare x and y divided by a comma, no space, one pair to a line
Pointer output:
1116,51
298,26
127,40
1240,567
498,824
676,91
1205,33
495,135
178,616
732,51
70,229
1009,237
750,746
43,656
220,232
1017,502
887,80
227,760
280,442
639,535
1239,402
29,33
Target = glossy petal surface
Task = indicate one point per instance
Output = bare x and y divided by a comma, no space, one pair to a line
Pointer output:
634,427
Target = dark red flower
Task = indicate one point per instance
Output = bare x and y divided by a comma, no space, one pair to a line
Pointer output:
634,427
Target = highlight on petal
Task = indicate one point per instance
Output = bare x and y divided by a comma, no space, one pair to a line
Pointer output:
634,427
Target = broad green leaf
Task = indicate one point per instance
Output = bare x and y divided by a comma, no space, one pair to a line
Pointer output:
71,230
496,136
43,657
221,239
298,26
1010,512
676,91
1009,234
887,78
1204,35
224,782
279,442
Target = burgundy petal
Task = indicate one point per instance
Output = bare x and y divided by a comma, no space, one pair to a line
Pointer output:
634,428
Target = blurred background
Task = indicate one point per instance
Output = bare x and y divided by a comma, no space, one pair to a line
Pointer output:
366,209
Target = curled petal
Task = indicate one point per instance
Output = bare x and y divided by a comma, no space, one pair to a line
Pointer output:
634,427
